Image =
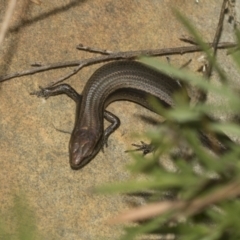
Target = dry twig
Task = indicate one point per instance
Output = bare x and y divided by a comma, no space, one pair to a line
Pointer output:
217,36
113,56
180,208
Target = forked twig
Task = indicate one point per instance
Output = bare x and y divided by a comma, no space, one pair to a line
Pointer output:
113,56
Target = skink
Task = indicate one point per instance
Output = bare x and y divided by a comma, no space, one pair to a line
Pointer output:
121,80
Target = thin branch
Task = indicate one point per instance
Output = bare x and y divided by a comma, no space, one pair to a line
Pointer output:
229,191
93,50
180,208
38,2
113,56
7,18
219,27
217,36
208,65
188,39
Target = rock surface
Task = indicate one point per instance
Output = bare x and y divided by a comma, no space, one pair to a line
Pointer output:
34,156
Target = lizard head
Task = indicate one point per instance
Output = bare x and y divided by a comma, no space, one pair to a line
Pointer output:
82,147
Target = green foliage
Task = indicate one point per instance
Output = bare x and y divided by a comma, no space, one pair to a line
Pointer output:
204,186
19,222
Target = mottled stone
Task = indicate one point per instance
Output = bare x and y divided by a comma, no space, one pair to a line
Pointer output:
34,155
